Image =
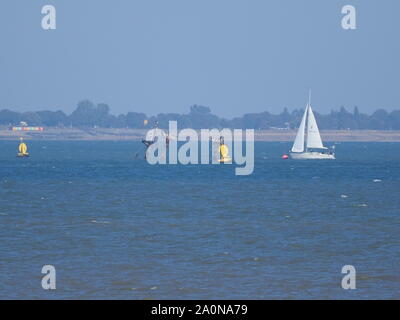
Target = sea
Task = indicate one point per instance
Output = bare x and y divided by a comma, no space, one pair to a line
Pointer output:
115,227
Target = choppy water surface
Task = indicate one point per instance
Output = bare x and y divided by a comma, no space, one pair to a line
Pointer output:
118,228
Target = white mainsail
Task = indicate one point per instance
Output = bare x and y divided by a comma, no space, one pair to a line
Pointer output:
298,145
313,136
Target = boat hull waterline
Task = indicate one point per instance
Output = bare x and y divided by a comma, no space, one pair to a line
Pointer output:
311,156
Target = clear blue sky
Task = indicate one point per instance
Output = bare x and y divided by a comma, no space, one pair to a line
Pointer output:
235,56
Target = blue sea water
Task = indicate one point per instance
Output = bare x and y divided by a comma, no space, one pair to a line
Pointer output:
119,228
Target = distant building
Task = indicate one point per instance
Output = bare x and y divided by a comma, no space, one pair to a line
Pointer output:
21,128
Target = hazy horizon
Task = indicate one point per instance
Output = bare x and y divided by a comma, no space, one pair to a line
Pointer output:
350,109
235,57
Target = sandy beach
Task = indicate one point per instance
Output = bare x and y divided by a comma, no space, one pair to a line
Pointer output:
137,134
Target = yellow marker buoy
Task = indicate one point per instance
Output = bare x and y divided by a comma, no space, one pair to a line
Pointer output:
23,149
224,154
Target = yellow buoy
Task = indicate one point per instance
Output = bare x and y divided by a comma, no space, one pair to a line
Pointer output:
23,149
224,153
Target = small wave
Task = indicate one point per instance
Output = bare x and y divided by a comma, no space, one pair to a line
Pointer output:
101,222
344,196
377,180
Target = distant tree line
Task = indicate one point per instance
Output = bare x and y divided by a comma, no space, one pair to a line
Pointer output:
90,115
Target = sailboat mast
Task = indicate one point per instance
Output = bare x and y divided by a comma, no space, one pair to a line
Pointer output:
306,128
307,115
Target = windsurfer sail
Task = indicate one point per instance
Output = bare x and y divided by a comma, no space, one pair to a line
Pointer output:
151,137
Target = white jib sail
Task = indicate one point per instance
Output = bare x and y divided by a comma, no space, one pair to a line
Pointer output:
313,136
298,145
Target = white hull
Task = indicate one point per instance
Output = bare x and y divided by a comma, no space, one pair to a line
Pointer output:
311,156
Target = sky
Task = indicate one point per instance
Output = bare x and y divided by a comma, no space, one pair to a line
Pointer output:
234,56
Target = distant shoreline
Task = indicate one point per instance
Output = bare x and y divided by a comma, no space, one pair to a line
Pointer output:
115,134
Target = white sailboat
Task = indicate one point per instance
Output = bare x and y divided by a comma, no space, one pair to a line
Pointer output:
311,146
